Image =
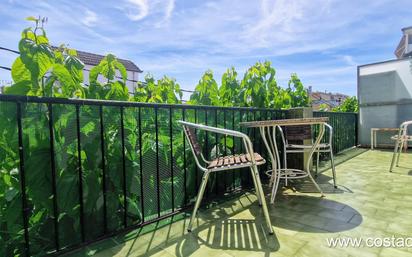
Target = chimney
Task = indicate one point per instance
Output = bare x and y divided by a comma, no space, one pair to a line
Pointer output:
408,36
404,48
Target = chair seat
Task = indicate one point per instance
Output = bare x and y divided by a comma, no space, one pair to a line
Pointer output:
235,160
290,146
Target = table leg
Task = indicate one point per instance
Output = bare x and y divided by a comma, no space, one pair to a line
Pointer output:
272,140
312,151
371,139
271,154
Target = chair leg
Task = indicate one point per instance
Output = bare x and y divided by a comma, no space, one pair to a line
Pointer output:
259,190
285,162
317,163
198,200
399,154
332,163
256,187
394,155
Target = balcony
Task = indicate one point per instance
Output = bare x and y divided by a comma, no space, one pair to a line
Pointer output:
370,202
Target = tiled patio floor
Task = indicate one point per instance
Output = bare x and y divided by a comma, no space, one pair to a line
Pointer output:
370,202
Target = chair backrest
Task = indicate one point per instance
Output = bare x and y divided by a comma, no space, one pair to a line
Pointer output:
404,127
299,132
191,134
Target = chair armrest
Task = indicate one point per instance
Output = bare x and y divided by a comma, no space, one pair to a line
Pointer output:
330,128
403,129
214,129
406,123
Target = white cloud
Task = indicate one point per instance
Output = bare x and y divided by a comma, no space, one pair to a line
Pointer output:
90,18
142,9
349,60
321,40
138,10
169,9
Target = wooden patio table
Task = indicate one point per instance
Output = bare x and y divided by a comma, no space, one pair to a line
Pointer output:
267,130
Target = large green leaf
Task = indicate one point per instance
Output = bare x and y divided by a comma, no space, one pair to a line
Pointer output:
44,61
118,91
63,75
31,18
94,73
19,88
19,71
122,70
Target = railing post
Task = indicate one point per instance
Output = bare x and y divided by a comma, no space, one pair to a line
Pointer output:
80,173
141,163
123,166
25,208
102,146
171,157
53,176
158,184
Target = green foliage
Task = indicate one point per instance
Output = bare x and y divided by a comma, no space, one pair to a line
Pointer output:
258,88
43,71
113,89
165,90
323,108
206,91
350,104
298,94
37,59
230,88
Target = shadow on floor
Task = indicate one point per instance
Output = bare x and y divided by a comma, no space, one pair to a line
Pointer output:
323,180
229,234
237,225
300,213
304,213
221,234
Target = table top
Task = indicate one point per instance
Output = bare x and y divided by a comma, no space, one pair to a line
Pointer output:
285,122
386,129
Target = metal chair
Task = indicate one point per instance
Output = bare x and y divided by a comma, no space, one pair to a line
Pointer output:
249,159
294,133
401,139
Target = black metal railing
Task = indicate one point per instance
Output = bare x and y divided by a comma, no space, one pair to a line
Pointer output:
345,129
77,171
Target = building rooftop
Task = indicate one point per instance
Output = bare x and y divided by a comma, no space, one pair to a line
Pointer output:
94,59
406,28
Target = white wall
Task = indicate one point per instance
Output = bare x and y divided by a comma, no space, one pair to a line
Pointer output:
385,96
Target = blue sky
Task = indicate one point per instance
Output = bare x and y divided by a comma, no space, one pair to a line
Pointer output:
321,40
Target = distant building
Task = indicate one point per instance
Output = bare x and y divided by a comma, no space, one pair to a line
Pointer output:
331,100
91,60
385,91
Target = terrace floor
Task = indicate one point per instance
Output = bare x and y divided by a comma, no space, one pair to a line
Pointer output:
369,202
